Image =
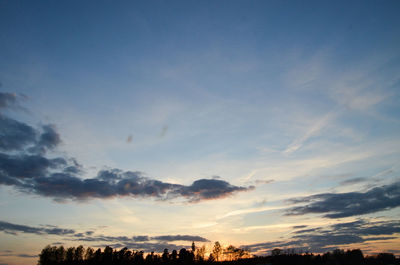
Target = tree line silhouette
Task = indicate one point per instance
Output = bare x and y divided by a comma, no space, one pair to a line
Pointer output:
52,255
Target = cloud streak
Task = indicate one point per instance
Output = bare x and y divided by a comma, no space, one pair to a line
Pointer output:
338,205
50,230
312,131
24,164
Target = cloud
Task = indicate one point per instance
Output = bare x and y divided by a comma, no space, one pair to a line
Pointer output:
18,136
141,238
181,238
353,181
337,205
143,242
67,186
299,226
25,165
136,239
164,131
27,256
312,131
9,253
204,189
145,247
261,181
48,140
347,233
364,228
15,135
321,239
57,243
7,100
50,230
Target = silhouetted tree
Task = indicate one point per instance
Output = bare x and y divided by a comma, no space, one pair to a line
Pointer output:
138,258
200,252
60,254
217,250
89,255
98,257
193,247
107,255
47,257
174,255
386,258
78,256
276,252
354,256
70,255
165,255
211,258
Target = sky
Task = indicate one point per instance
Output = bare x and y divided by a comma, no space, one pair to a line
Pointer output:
152,124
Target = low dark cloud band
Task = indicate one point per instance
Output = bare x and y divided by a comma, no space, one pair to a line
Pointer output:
338,205
144,242
322,239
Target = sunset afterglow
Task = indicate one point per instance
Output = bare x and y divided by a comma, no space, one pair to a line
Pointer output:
154,124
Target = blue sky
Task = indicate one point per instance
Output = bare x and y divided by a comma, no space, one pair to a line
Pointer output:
233,113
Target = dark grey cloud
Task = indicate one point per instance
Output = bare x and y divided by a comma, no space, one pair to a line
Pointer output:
9,253
7,100
337,205
204,189
354,181
138,239
265,247
35,173
181,238
18,136
57,243
15,135
25,165
50,230
299,226
146,247
117,183
27,256
363,228
142,242
48,140
145,243
321,239
22,167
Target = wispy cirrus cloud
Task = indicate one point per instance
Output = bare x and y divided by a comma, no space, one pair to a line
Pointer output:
312,131
358,91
